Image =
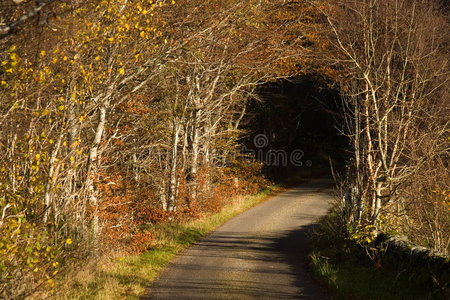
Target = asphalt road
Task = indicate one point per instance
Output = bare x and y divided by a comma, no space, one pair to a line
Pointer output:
259,254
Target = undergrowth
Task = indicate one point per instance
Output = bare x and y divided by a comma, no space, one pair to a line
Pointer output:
344,268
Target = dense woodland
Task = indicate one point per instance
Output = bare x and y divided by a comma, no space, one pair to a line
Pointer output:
119,114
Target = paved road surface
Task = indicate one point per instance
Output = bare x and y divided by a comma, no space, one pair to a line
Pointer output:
257,255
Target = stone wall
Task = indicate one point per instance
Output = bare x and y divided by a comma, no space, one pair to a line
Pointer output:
401,255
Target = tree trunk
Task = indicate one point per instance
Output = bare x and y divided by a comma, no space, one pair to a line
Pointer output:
173,168
49,184
93,166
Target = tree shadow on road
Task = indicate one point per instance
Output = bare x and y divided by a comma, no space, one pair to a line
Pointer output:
260,267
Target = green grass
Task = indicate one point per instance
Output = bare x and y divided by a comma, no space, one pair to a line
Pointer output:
126,277
348,280
346,272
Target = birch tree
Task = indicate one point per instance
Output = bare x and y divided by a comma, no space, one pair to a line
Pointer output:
396,65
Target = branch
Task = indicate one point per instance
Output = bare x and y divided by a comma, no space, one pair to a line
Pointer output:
9,29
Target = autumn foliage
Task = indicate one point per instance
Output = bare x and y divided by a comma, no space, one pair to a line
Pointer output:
116,115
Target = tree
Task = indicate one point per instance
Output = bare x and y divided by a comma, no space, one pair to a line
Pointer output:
395,60
55,107
116,114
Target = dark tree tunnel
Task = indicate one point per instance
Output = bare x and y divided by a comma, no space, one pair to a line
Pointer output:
295,128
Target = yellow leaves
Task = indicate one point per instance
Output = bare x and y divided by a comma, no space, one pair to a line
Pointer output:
72,158
136,57
55,265
97,57
363,234
42,53
69,241
139,7
111,39
121,71
50,282
38,156
12,48
61,107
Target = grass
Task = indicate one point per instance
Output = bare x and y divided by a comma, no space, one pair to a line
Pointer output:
346,272
348,280
126,277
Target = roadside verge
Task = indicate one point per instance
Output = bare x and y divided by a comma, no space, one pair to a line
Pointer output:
126,277
346,271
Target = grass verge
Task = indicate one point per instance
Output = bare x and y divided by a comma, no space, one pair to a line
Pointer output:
346,272
126,277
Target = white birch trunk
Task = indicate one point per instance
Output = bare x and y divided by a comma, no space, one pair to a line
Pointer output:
173,168
93,166
48,187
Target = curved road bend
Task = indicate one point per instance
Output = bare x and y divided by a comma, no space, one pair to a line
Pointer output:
260,254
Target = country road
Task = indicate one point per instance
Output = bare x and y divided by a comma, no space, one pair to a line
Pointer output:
259,254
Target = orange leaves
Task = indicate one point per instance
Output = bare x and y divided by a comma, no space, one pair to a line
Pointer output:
123,215
137,107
